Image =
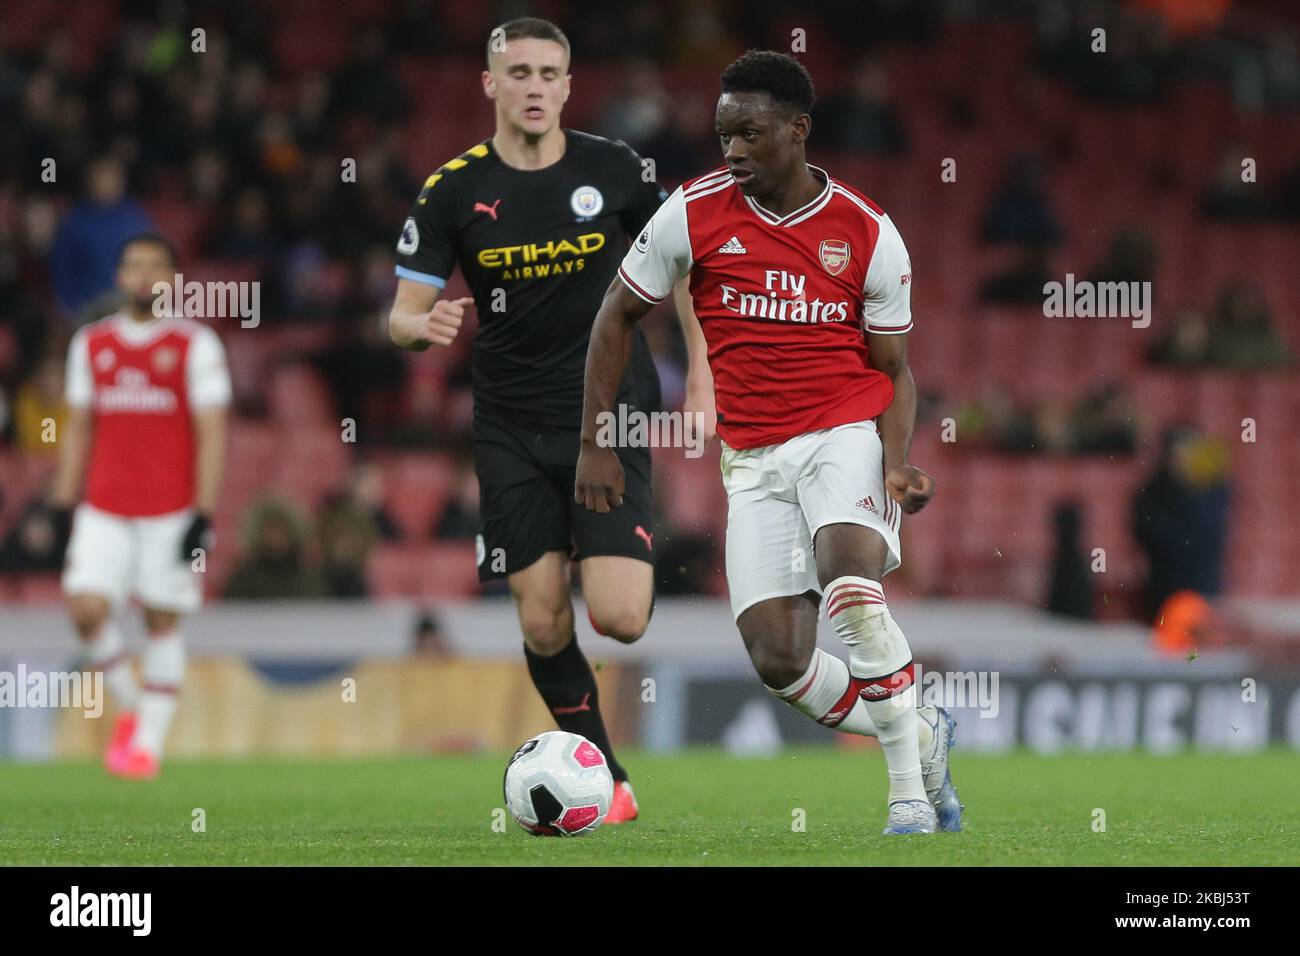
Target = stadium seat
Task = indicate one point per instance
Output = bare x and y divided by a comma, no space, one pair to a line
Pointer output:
417,489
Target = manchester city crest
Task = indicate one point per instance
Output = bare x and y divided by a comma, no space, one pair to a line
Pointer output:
587,202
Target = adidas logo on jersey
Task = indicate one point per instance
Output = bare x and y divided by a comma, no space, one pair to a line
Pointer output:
733,247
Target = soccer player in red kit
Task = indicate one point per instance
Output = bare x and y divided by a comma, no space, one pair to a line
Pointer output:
147,398
801,287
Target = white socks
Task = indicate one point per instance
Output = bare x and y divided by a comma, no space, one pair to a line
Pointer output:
820,693
880,662
872,695
877,648
107,653
163,670
829,696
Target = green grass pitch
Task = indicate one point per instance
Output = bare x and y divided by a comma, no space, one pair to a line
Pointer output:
698,808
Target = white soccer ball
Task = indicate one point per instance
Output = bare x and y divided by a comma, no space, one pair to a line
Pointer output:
558,784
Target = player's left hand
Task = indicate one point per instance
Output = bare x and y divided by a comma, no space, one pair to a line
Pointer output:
910,487
197,535
599,480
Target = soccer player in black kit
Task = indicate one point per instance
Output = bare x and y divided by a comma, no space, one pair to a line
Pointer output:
538,218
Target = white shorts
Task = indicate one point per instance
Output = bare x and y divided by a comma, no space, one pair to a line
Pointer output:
779,496
119,557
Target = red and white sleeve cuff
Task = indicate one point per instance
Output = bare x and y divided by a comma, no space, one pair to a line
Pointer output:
889,330
638,290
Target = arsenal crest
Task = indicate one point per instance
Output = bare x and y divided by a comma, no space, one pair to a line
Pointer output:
165,359
835,254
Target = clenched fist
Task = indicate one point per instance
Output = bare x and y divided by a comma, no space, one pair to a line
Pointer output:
910,487
438,326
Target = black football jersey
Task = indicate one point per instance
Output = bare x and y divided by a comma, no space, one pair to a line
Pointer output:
538,249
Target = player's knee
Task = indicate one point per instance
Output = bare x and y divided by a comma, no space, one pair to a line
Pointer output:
625,625
160,622
776,663
547,629
89,612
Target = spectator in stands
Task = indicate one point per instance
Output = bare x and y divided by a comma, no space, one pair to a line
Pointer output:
994,419
1183,623
1229,198
247,232
1187,344
366,375
1180,517
37,403
1022,283
367,85
1053,428
1105,422
1132,257
365,490
84,257
643,114
35,543
1133,67
638,108
461,518
274,566
1020,211
20,269
1070,592
863,117
347,535
429,639
1241,330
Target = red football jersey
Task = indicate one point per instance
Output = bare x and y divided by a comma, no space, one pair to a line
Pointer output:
143,382
783,301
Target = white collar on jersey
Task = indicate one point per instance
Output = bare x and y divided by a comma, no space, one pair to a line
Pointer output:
137,333
804,211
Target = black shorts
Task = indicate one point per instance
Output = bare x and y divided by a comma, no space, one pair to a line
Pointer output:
525,478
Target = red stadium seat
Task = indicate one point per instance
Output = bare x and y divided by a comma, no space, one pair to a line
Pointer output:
298,396
408,571
418,488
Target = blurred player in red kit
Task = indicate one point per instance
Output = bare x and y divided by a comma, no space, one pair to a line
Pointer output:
802,290
147,398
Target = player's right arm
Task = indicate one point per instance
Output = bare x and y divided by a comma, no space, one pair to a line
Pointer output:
700,400
74,449
656,262
419,318
599,476
73,437
426,256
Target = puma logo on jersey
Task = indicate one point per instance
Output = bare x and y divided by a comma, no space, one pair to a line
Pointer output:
490,210
733,247
645,536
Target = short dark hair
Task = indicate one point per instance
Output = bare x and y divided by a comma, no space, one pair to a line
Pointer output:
526,28
779,75
152,239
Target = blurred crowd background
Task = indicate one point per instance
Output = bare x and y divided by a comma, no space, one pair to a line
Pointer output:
1049,437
